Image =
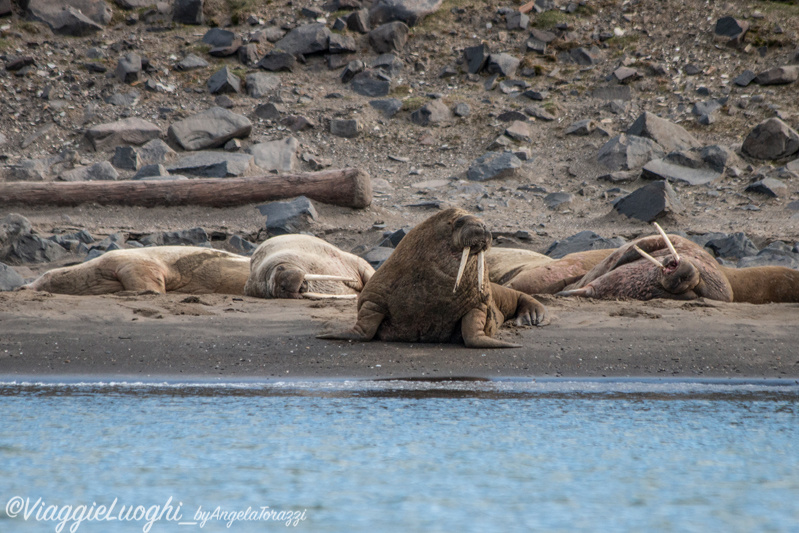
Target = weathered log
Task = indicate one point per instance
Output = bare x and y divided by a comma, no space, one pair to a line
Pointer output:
349,187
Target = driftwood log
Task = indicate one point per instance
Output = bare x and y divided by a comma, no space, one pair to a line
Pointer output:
349,187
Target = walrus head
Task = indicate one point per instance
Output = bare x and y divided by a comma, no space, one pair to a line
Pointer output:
292,282
470,236
679,277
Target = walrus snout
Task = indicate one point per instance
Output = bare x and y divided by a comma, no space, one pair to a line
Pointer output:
289,283
678,277
470,232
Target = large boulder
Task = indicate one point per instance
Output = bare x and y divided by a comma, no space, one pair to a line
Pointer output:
71,17
771,139
668,135
650,203
132,130
210,129
304,40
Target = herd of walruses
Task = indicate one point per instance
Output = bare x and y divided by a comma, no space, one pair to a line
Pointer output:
442,283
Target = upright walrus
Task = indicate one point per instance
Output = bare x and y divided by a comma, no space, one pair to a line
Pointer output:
304,266
186,269
434,288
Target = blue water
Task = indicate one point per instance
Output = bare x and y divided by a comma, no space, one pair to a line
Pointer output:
406,456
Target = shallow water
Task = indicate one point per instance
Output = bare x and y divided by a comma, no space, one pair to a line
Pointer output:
407,456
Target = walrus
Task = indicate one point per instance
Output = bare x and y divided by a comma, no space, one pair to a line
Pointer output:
534,273
304,266
434,288
184,269
688,271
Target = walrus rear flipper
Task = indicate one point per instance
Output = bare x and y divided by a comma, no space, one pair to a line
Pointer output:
365,328
587,292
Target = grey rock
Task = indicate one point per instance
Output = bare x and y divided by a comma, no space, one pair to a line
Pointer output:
461,109
305,40
626,74
744,78
476,58
248,54
627,152
502,64
778,75
733,246
288,217
213,165
188,12
534,45
9,278
341,44
151,171
241,245
77,18
494,165
126,158
539,113
353,67
764,258
668,135
377,256
348,128
359,21
671,169
372,83
127,99
209,129
298,123
186,237
433,112
19,245
277,61
558,199
582,242
219,38
260,84
621,176
706,108
511,116
226,51
276,156
129,68
96,172
268,111
650,202
155,152
584,56
519,130
731,27
771,139
581,127
613,92
388,107
389,37
388,63
517,21
132,130
411,12
224,82
770,187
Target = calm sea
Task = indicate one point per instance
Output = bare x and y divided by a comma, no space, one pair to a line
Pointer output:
405,456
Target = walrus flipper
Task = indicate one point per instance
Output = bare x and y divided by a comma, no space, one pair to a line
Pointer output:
365,328
522,308
473,331
587,292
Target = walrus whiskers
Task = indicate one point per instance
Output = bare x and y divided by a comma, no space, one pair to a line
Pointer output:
326,277
461,267
481,270
668,242
648,257
320,296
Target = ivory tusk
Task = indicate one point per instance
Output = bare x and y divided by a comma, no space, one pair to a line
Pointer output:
325,277
668,242
647,256
481,270
319,295
461,267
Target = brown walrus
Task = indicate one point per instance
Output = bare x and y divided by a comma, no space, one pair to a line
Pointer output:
762,285
433,288
186,269
534,273
304,266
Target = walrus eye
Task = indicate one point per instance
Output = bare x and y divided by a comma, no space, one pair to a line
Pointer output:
460,222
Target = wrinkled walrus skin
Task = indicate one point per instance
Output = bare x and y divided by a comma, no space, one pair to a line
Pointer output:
411,299
280,264
625,274
184,269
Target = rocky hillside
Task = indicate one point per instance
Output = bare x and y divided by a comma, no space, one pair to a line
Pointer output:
547,118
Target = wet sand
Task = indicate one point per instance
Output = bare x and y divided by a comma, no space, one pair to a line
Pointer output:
131,335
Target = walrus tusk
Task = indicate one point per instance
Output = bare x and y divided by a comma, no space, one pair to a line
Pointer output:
325,277
648,257
319,295
462,267
481,270
668,242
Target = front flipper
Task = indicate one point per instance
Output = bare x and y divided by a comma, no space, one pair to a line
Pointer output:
523,308
473,326
369,318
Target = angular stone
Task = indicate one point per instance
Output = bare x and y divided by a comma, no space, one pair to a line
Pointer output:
77,18
156,151
778,75
304,40
209,129
502,64
226,51
126,158
731,27
476,58
433,112
126,131
626,74
359,21
770,187
248,54
670,170
371,83
668,135
627,152
98,171
277,61
288,217
267,111
558,199
224,82
582,242
494,165
260,84
241,245
745,78
461,109
341,44
276,156
650,202
585,57
581,127
129,68
519,131
219,38
348,128
298,123
534,45
411,12
388,63
388,107
733,246
130,98
188,12
377,256
517,21
771,139
613,92
151,171
352,69
214,165
186,237
390,37
9,278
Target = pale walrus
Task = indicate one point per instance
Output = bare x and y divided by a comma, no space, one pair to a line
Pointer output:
433,288
534,273
304,266
185,269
